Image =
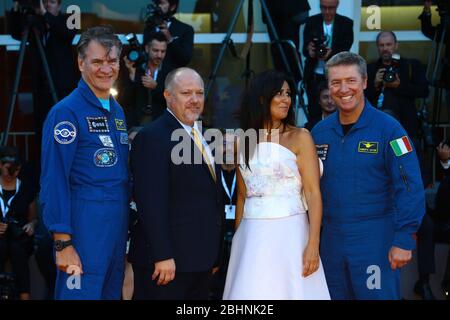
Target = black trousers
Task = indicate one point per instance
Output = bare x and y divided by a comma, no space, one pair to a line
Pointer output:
185,286
429,233
312,85
18,252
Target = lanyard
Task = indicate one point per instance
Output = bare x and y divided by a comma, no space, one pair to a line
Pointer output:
329,36
227,190
5,207
155,74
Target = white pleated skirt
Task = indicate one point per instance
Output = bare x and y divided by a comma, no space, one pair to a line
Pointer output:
266,262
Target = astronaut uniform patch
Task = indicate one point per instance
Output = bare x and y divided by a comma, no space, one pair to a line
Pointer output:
98,124
120,125
322,151
106,141
368,147
105,158
65,132
123,138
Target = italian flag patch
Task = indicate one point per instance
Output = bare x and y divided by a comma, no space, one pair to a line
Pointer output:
401,146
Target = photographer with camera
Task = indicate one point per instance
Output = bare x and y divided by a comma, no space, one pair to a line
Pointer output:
179,35
325,35
45,16
17,220
141,89
435,32
395,83
435,227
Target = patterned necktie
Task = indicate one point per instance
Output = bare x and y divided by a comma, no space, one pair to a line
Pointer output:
200,146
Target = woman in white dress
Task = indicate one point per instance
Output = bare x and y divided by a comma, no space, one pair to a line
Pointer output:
275,250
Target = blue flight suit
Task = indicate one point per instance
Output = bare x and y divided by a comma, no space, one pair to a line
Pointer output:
85,190
373,199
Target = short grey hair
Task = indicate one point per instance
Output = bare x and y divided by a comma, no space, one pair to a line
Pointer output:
347,58
171,77
104,35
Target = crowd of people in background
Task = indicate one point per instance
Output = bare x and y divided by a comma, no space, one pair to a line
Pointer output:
107,203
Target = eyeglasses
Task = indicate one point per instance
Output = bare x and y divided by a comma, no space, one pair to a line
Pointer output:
328,8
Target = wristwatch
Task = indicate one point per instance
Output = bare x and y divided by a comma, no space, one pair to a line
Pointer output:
61,244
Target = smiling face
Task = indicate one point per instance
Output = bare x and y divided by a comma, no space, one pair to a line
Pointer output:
347,89
99,68
281,102
185,97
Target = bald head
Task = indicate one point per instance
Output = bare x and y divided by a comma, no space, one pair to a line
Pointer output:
174,77
387,45
185,95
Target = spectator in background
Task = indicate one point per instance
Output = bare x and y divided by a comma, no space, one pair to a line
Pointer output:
326,104
56,39
336,33
287,17
141,90
435,228
396,96
435,32
180,36
17,220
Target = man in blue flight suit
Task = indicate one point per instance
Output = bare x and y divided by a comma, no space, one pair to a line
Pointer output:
373,197
84,181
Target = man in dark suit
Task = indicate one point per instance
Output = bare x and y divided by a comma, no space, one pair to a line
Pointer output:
336,33
142,86
180,36
287,17
176,242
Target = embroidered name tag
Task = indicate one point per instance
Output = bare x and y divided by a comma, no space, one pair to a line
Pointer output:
97,124
105,158
65,132
368,147
120,125
106,141
322,151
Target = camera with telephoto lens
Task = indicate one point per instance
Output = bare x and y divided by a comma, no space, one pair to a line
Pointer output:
392,70
154,15
136,53
320,46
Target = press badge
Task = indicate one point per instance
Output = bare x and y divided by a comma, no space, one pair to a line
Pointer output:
230,212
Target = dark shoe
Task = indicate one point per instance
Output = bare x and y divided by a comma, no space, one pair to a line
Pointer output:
445,285
424,291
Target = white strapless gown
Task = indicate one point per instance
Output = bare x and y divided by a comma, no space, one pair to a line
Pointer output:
266,253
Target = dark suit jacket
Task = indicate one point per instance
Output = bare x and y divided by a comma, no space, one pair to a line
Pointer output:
401,100
180,206
58,51
179,51
342,38
133,96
